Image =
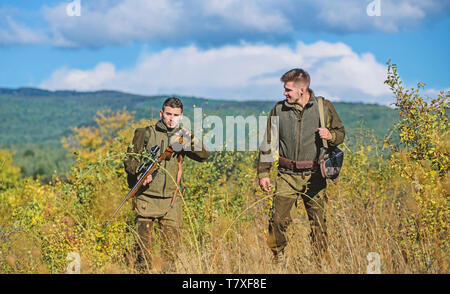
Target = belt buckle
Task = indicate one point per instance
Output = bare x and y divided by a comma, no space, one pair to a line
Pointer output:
294,166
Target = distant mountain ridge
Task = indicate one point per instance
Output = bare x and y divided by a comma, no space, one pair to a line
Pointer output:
24,91
37,115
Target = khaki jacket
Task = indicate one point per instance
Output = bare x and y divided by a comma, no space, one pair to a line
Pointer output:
163,184
297,133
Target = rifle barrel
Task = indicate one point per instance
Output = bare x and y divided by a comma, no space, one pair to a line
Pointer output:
133,191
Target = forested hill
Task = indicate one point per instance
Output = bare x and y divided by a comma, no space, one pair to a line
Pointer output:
30,115
33,121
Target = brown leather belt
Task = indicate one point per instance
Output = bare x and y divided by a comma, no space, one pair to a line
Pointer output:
297,166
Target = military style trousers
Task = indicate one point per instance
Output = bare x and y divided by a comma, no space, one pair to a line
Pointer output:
170,225
289,188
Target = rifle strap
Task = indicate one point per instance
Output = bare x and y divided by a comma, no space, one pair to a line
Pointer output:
322,118
174,196
179,174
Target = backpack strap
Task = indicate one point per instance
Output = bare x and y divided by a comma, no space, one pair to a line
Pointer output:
322,118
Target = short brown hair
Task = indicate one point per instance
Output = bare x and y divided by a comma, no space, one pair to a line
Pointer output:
173,102
298,75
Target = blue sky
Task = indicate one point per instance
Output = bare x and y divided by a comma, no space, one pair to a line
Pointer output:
224,49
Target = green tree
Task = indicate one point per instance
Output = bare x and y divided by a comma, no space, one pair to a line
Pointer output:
9,174
423,126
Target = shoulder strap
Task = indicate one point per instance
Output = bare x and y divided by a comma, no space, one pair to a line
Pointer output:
322,118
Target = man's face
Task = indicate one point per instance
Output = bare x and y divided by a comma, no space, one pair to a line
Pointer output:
292,92
171,116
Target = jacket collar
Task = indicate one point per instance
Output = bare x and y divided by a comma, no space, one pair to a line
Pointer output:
161,127
312,100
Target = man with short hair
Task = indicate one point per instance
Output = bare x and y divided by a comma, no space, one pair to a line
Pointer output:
159,202
298,135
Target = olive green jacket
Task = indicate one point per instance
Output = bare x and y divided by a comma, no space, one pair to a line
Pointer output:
164,183
295,131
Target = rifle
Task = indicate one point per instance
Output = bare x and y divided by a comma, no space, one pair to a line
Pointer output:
147,168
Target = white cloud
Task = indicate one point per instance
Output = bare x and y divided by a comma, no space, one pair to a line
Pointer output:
83,80
164,21
218,22
364,72
123,22
249,14
14,33
237,72
434,93
395,15
208,22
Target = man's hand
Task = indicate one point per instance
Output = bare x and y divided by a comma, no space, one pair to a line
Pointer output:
264,183
147,180
185,135
183,132
324,133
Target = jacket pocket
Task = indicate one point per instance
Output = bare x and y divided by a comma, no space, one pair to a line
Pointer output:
142,207
151,206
